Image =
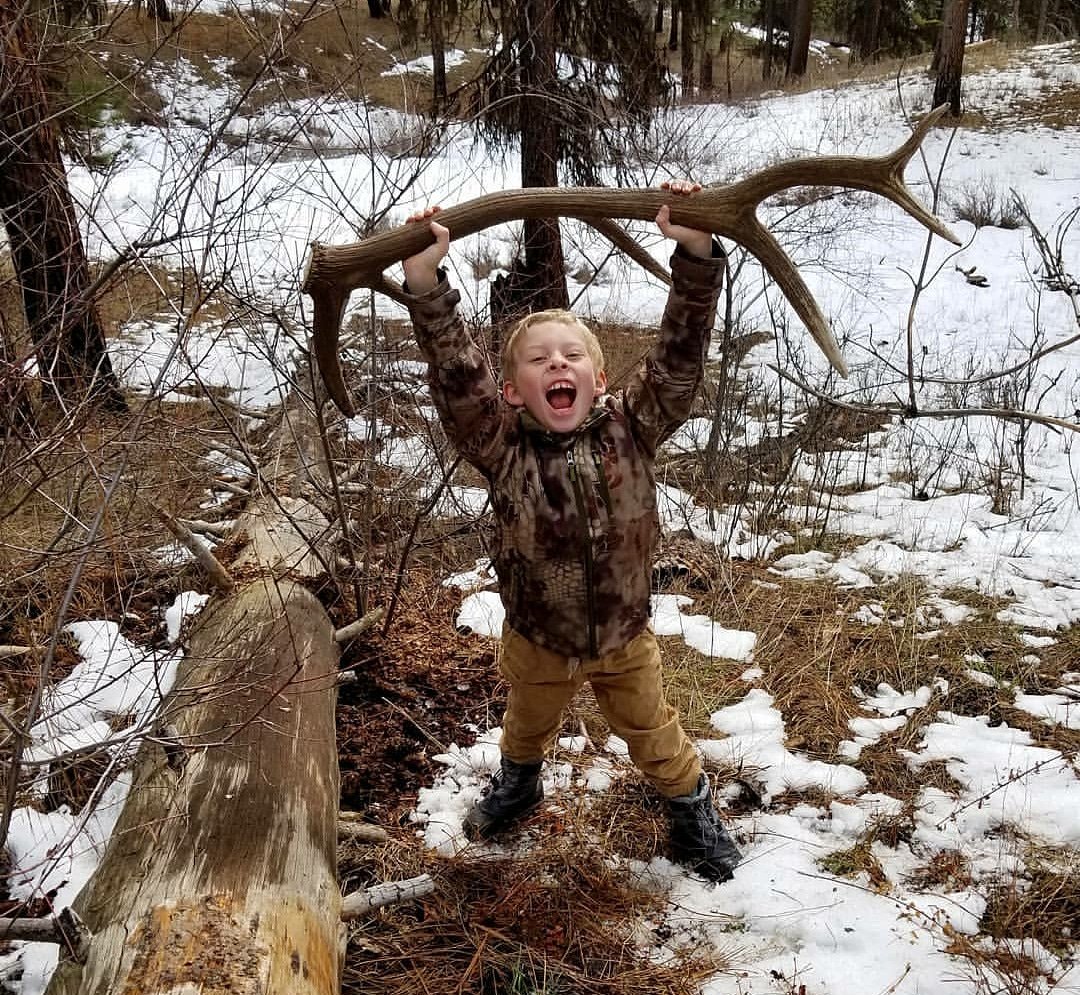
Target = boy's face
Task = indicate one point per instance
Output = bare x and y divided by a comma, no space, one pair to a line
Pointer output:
554,376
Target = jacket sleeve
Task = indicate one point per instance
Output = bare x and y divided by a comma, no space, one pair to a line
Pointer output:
463,390
659,398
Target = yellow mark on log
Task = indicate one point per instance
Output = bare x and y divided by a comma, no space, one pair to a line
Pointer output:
223,947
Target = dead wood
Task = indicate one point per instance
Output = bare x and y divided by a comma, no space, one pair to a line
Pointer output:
221,875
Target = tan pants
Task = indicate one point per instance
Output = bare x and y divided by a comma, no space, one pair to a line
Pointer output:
629,690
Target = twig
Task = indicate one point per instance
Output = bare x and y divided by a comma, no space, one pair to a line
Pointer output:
423,731
224,485
66,929
1012,779
388,893
8,651
206,559
353,629
219,529
1007,414
238,455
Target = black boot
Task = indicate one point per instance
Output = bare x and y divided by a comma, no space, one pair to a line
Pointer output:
697,838
515,790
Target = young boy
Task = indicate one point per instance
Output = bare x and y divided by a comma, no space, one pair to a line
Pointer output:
570,471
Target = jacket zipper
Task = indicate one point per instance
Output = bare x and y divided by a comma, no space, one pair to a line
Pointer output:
586,528
601,479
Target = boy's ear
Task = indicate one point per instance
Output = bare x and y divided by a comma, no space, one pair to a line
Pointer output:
601,383
511,395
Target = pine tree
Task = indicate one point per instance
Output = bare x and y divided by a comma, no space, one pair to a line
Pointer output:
572,83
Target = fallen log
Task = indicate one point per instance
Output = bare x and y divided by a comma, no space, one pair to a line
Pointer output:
221,875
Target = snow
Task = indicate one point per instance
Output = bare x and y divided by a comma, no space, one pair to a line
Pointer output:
57,852
794,922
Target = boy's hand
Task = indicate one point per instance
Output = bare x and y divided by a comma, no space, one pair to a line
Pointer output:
697,243
422,270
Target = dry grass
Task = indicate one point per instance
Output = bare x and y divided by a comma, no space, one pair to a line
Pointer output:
1044,904
558,919
1041,906
49,503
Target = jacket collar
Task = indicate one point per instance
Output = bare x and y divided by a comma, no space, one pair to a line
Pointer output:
598,414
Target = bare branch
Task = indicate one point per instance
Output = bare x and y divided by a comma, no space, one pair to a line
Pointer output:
65,929
388,893
9,651
355,830
191,542
354,629
1006,414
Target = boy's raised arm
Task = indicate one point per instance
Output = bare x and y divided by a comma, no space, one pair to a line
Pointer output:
660,398
463,390
422,270
695,242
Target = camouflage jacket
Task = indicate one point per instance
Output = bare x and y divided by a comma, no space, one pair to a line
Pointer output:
576,519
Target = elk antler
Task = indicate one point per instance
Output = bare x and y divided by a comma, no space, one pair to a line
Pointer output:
334,271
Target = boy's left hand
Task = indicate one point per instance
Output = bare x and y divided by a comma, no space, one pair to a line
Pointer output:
697,243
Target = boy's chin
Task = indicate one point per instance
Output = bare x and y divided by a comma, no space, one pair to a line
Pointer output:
555,421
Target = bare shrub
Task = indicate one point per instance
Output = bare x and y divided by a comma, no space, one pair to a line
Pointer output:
483,260
982,204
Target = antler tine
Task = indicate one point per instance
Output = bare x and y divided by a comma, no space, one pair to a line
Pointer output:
883,175
759,241
334,271
329,307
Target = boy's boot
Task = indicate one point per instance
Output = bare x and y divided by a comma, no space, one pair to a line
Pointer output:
515,790
697,838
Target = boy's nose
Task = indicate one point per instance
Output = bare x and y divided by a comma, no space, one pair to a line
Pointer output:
558,359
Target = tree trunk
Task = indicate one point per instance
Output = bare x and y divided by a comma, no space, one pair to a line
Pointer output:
537,282
690,39
673,33
220,876
951,47
46,244
1040,24
17,418
658,17
407,23
769,41
799,51
1014,21
437,36
867,31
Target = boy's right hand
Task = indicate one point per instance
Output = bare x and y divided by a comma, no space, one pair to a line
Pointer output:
422,270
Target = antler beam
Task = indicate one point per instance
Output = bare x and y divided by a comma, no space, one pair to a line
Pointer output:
333,272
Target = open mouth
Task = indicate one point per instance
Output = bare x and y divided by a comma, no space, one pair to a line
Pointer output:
561,395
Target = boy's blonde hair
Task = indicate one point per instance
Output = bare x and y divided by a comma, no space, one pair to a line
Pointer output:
559,316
